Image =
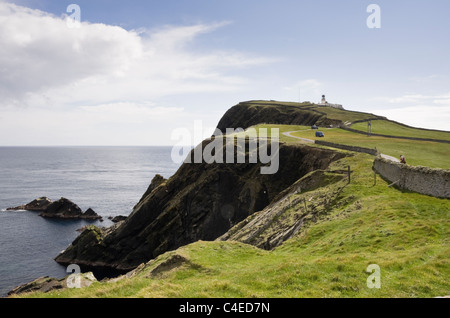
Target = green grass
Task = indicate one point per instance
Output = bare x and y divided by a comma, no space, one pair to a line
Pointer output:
343,115
406,234
385,127
269,129
418,153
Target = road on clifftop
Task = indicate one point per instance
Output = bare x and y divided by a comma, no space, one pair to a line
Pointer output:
310,141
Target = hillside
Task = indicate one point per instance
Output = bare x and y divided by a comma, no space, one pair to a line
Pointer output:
418,152
247,114
305,232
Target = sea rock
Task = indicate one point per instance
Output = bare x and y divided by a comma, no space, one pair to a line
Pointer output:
47,284
117,218
66,209
38,205
62,209
90,214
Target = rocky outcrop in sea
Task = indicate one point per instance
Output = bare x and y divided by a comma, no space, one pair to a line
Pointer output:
37,205
60,209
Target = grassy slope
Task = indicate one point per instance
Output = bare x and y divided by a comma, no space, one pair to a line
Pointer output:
424,153
344,115
386,127
417,153
406,234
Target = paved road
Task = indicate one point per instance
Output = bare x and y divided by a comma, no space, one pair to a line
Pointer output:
310,141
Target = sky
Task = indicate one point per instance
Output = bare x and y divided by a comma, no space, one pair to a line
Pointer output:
108,72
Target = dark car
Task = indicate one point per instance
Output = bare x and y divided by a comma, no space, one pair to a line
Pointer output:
319,134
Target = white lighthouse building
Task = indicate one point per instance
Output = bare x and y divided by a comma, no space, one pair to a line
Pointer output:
324,102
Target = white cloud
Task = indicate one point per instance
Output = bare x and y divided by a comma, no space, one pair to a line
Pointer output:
39,51
42,57
122,123
442,100
416,109
437,117
424,79
420,98
127,112
43,60
309,89
411,98
55,79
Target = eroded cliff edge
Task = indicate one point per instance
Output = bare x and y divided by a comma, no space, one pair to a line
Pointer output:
201,201
250,113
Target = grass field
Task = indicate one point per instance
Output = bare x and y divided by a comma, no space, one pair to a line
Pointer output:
406,234
385,127
417,153
344,115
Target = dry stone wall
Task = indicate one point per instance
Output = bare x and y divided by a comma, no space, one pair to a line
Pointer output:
370,151
434,182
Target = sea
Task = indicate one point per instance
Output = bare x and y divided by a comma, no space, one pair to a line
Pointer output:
110,180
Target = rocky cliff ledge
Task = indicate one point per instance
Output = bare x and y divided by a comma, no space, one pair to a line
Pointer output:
201,201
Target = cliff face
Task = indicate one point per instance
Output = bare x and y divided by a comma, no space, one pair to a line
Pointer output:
251,113
301,203
202,201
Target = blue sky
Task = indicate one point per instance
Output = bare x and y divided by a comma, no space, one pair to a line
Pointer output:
137,70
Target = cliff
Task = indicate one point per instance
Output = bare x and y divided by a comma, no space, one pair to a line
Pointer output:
250,113
303,202
202,201
336,231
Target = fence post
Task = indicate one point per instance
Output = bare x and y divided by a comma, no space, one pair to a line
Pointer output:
349,174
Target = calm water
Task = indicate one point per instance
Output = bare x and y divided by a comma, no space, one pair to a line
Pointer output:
110,180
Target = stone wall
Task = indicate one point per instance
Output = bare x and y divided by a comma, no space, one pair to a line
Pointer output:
434,182
370,151
392,136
